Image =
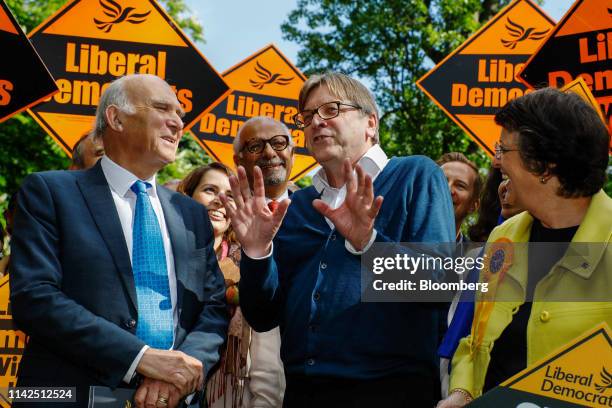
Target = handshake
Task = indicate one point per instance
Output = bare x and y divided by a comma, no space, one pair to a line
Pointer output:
169,376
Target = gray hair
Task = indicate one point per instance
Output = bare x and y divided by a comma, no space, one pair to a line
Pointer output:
259,119
116,95
345,88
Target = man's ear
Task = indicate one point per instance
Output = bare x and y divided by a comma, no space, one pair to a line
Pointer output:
372,126
113,118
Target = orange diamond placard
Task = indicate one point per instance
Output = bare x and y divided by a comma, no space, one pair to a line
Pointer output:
264,84
12,343
24,79
578,374
89,43
479,77
579,46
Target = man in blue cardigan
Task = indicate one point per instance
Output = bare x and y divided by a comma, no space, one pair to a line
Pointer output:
305,275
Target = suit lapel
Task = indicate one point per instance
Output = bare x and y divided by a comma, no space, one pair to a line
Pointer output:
177,231
97,194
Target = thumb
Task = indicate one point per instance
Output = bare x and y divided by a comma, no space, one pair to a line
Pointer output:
324,209
280,211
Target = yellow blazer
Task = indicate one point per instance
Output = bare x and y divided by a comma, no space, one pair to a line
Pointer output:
551,324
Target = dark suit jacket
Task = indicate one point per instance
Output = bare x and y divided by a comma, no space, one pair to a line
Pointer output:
72,289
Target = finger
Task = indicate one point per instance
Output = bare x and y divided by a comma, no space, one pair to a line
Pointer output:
163,392
368,189
245,189
360,180
375,208
152,395
174,399
281,210
258,187
229,207
180,382
140,395
349,178
324,209
235,185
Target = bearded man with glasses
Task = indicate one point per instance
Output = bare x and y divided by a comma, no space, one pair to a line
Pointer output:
301,268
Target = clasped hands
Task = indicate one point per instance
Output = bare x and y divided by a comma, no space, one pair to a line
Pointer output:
169,376
255,225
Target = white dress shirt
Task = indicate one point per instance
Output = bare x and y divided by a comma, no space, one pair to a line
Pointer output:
120,180
372,162
266,371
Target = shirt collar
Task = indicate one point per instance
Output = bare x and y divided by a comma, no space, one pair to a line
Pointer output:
372,163
120,180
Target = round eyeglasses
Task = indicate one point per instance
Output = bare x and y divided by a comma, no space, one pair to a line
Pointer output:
278,143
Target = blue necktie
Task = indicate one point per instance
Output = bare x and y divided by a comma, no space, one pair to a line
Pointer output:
155,325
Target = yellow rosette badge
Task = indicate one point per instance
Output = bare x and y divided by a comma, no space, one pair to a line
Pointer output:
497,260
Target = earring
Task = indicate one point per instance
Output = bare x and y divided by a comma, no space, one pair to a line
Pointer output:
543,180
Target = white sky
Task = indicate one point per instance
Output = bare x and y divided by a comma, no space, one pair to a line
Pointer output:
235,29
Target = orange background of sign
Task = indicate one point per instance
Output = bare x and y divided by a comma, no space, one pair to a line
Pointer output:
585,355
71,24
10,340
487,41
5,22
68,21
238,77
584,16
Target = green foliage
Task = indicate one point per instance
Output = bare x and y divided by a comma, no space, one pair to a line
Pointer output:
190,155
304,182
25,147
390,44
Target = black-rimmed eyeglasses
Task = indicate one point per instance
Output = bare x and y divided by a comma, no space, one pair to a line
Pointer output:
278,143
326,111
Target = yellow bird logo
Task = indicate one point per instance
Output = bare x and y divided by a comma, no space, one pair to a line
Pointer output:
118,15
519,33
266,77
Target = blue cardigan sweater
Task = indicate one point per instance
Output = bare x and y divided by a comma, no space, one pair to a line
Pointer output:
311,286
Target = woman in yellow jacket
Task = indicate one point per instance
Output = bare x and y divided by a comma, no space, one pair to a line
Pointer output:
554,149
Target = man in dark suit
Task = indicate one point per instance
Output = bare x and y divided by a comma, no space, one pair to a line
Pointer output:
114,278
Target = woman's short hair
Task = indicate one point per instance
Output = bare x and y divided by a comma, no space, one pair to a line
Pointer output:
560,133
191,181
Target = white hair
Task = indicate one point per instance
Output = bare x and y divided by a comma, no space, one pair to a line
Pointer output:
259,119
116,95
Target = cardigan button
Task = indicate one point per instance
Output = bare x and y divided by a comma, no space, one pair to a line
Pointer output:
544,316
323,265
130,324
310,361
316,296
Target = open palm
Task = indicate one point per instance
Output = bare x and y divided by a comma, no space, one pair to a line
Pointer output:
254,224
354,219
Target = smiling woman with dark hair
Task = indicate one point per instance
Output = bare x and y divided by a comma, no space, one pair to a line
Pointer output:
554,150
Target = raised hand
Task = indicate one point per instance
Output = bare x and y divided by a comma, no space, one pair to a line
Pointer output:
254,224
354,219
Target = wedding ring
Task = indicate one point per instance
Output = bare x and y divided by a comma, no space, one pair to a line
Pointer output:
162,401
